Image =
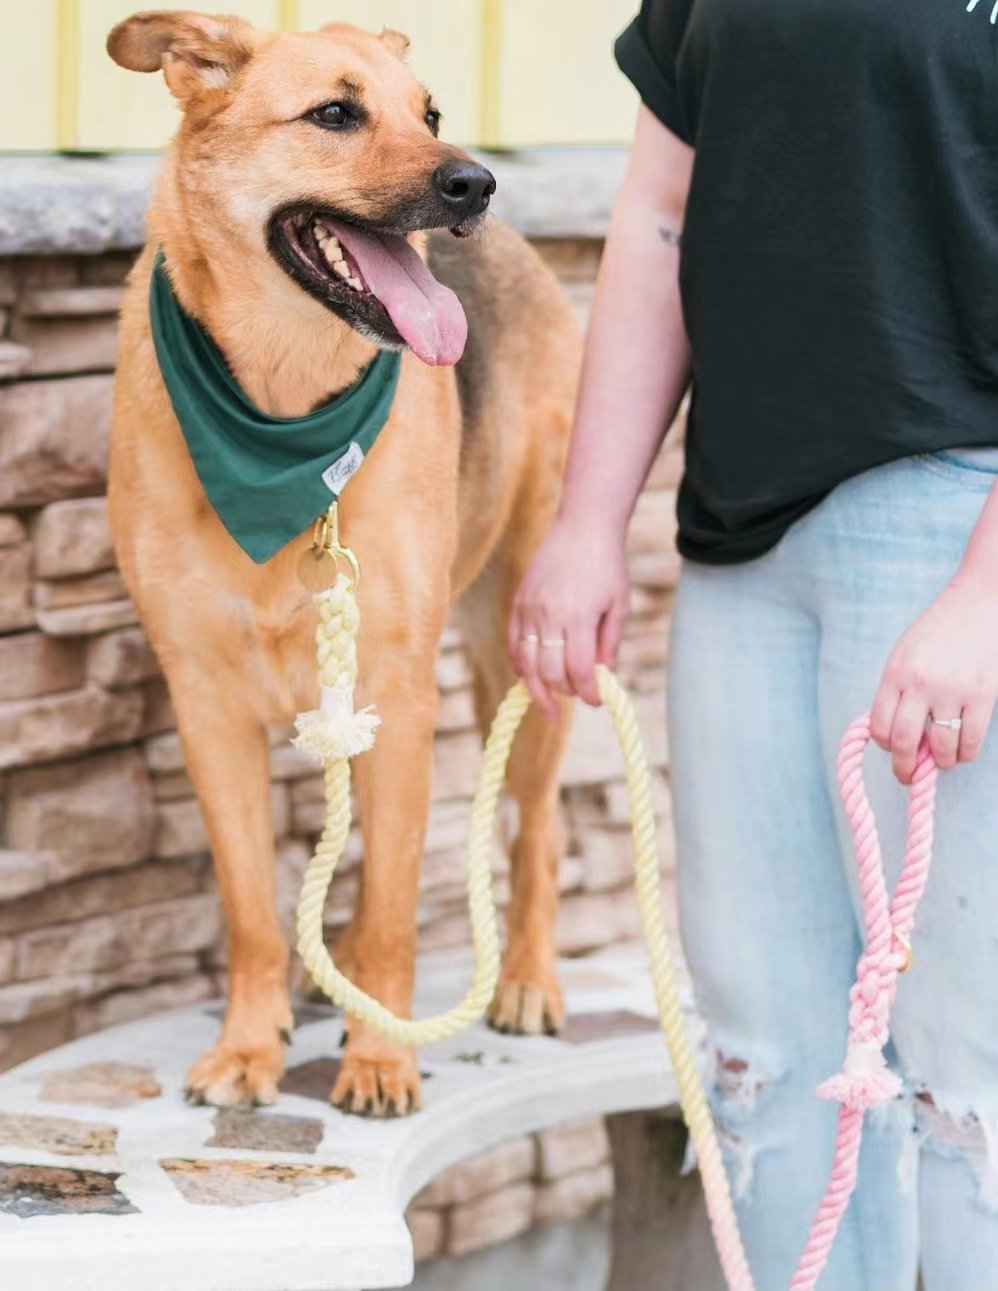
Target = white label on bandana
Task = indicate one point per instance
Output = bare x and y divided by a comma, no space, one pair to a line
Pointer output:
336,477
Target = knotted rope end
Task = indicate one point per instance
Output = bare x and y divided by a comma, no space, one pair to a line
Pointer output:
329,736
864,1082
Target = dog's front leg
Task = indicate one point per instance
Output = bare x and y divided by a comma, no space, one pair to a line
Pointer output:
379,1078
227,758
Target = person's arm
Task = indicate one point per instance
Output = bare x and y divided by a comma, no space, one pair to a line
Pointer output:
635,372
946,664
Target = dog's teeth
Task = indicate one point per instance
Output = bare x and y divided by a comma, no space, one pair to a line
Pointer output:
341,269
334,243
355,283
332,254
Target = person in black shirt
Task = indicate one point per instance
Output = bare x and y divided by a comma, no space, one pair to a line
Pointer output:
807,238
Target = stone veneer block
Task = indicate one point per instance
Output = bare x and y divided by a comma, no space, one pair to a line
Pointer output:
91,814
248,1183
57,1134
313,1079
72,537
264,1132
55,439
101,1084
33,664
28,1191
49,727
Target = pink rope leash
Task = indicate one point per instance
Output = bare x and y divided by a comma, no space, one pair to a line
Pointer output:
865,1080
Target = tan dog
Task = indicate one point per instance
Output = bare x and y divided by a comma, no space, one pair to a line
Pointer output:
283,138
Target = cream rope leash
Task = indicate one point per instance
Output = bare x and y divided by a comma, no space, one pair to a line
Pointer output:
334,733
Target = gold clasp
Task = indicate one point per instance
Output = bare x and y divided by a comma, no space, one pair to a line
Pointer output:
318,566
909,954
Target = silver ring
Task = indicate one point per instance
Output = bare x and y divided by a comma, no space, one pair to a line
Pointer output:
949,723
559,642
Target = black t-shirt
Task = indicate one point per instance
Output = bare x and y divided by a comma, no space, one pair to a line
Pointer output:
839,263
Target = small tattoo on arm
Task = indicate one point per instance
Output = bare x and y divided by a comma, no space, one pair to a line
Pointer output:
669,236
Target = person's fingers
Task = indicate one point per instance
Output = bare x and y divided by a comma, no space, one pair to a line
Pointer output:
943,740
976,720
907,731
580,662
883,712
514,643
530,672
611,629
551,660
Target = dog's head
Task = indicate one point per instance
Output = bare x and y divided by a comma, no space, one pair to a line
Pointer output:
320,152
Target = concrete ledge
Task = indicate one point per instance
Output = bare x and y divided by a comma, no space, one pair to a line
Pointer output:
109,1181
66,205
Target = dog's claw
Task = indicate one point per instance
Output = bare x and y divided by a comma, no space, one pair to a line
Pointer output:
523,1007
380,1085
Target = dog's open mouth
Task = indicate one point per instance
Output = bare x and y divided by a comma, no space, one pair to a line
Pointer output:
374,280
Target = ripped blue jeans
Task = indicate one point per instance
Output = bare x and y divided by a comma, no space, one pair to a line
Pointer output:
769,662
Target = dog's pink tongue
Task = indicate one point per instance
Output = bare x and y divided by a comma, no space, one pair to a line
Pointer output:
426,313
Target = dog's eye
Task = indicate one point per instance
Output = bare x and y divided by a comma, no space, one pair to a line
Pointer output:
334,115
432,119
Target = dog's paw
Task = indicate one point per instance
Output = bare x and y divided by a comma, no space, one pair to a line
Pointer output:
528,1008
228,1076
377,1083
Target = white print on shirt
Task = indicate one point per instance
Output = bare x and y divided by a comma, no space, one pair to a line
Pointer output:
344,468
994,12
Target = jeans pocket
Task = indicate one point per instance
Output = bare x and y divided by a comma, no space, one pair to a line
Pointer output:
977,467
982,460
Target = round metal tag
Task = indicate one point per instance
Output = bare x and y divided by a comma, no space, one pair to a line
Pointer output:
317,569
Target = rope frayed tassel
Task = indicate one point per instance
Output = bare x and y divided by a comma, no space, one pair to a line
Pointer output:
335,731
864,1082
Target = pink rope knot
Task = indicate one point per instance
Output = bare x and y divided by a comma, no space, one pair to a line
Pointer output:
865,1080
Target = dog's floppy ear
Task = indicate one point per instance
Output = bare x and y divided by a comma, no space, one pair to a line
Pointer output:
396,42
196,52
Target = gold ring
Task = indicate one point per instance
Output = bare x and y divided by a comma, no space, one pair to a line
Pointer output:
530,639
908,953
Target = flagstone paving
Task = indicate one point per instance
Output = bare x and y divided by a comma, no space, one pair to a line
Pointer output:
110,1181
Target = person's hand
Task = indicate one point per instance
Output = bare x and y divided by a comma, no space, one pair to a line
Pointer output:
946,666
569,613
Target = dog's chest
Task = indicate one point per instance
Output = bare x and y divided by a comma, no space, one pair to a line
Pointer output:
271,650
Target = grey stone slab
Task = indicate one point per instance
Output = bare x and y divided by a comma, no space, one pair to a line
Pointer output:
68,205
264,1131
28,1191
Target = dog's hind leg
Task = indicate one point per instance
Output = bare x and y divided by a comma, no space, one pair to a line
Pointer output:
227,759
529,999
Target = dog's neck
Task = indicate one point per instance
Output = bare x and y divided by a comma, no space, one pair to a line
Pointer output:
287,352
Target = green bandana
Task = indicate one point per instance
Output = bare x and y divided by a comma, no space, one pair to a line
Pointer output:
268,478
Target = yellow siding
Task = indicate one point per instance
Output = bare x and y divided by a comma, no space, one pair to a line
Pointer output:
507,73
558,82
444,52
28,80
119,109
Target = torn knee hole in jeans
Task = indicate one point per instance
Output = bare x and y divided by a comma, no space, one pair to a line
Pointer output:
957,1131
738,1086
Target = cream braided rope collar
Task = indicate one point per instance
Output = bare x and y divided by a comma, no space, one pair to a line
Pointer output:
335,732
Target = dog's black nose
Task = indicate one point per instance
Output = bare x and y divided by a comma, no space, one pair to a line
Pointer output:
464,186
